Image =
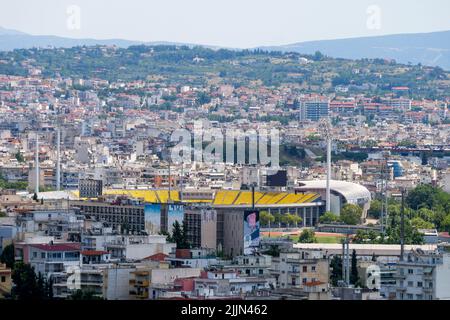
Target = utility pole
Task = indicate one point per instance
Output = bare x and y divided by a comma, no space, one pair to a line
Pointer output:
386,192
402,226
181,182
170,184
346,261
253,196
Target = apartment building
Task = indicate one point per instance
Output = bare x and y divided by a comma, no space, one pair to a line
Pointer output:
90,188
5,281
423,276
117,214
300,269
314,110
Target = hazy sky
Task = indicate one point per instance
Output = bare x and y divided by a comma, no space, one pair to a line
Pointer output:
231,23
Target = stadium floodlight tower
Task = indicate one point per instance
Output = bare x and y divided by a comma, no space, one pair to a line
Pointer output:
58,159
36,188
325,128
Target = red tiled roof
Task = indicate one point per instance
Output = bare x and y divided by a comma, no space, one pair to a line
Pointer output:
314,283
57,247
93,252
400,88
157,257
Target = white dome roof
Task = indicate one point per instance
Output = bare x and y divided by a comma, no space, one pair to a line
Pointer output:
349,190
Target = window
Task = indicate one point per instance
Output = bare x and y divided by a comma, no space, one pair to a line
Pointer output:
305,269
420,284
410,284
409,296
3,279
304,280
410,271
34,254
313,268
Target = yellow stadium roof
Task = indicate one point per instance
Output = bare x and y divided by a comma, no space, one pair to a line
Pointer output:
221,198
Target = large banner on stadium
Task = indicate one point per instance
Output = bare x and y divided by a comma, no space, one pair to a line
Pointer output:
152,218
175,212
251,231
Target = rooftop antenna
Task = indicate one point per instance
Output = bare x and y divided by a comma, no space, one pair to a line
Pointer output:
325,127
359,127
36,188
181,182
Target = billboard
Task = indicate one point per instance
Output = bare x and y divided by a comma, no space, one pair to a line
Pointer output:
152,218
251,231
278,179
175,212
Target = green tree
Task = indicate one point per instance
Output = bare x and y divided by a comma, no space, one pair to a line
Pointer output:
375,209
296,219
7,256
336,270
354,277
307,236
203,98
427,196
273,250
446,223
24,279
266,218
19,157
291,219
328,217
179,235
40,287
278,218
420,223
351,214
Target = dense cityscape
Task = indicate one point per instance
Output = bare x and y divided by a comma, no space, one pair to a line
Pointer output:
184,172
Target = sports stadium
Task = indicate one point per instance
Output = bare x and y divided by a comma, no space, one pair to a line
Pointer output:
308,206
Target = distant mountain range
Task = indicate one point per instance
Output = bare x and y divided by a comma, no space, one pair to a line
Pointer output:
426,48
12,39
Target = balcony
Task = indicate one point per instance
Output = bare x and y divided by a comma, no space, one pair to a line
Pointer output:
144,283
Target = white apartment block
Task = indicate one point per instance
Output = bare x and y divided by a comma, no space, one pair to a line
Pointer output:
423,276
